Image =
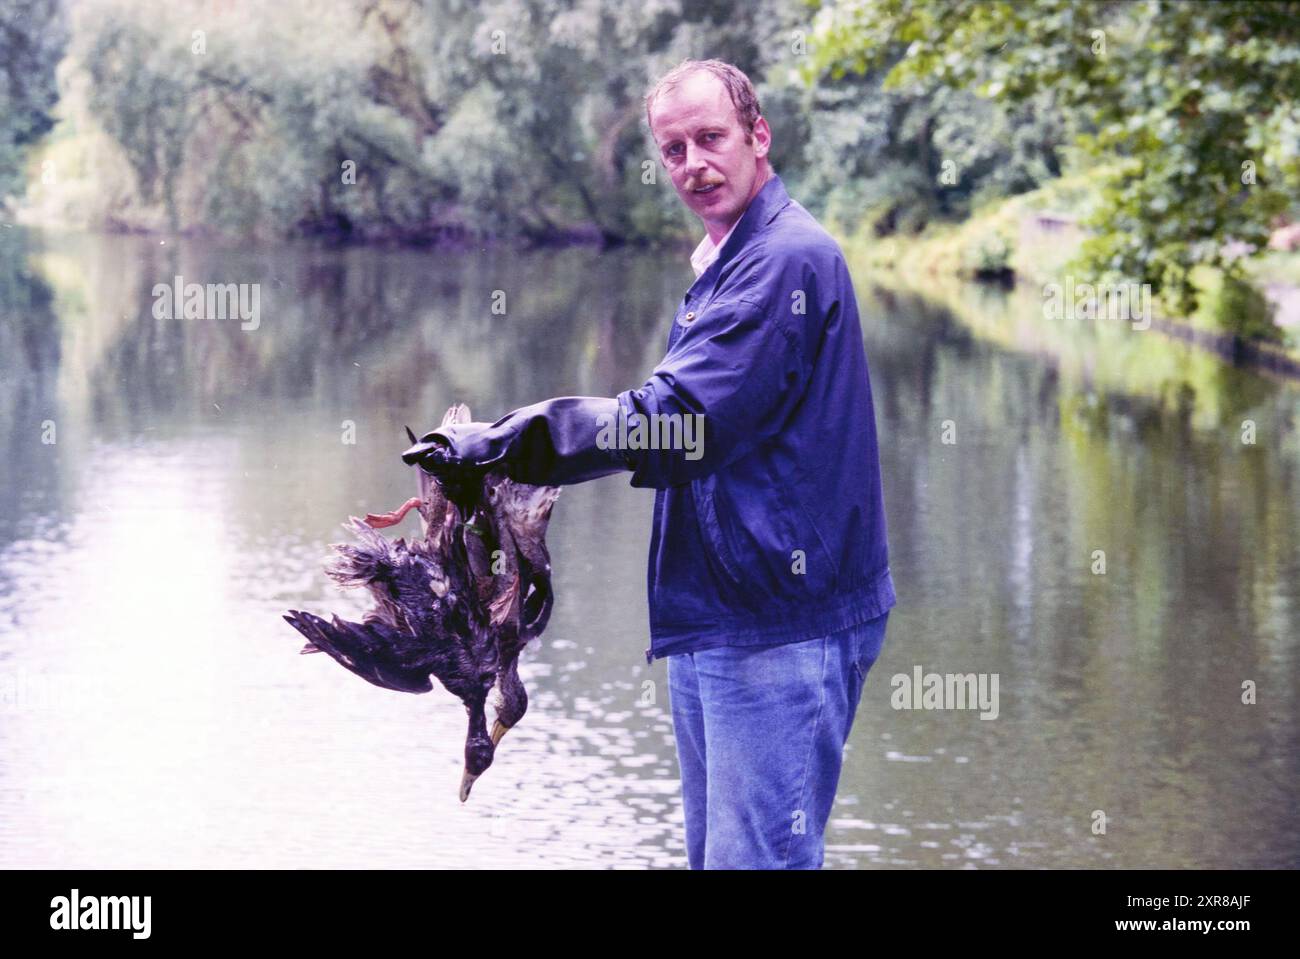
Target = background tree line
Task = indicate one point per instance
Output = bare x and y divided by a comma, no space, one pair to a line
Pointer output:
523,119
507,118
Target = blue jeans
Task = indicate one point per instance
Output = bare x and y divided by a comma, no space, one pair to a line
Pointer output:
760,740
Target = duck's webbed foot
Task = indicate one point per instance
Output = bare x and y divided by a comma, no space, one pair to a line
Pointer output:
382,520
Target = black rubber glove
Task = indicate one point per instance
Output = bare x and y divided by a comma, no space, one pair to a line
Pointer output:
552,443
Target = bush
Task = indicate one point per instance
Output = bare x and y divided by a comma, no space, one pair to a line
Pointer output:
988,256
1228,303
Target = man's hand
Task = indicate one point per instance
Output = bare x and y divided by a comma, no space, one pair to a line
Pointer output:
457,448
552,443
453,454
432,453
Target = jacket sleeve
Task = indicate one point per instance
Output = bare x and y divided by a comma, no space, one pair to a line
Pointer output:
738,372
730,382
553,443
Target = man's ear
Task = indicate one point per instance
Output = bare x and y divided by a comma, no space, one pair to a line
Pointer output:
762,138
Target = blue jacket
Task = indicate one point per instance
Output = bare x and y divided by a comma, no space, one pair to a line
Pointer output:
773,529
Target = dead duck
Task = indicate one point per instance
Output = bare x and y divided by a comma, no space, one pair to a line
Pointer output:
457,604
522,607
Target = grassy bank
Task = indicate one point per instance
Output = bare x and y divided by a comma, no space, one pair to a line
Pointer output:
1032,240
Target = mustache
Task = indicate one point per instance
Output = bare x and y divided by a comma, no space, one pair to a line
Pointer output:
696,184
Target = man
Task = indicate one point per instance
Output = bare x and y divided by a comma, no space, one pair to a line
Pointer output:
769,581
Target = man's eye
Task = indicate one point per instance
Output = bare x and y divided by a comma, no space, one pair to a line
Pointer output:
714,135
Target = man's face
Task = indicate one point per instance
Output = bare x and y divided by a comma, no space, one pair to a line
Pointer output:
702,144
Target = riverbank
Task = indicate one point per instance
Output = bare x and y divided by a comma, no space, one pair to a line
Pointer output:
1030,241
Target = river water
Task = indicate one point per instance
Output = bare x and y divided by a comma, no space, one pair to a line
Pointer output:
171,486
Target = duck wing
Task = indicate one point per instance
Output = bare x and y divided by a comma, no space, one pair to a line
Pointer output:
526,512
366,649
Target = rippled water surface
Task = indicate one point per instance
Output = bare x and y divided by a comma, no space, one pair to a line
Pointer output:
171,487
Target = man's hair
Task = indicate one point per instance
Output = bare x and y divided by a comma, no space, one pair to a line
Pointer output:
741,91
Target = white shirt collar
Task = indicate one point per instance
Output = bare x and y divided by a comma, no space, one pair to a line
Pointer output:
707,252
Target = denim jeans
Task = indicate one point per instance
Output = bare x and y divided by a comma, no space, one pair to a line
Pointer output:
760,739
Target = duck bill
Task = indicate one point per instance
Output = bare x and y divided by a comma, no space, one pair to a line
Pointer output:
466,783
499,729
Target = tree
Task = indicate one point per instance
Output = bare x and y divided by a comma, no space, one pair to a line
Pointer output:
32,37
1191,107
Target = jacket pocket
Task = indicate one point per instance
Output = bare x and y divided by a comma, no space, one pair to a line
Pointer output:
761,540
870,639
826,577
719,555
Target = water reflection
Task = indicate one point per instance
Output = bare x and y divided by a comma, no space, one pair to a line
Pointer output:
157,712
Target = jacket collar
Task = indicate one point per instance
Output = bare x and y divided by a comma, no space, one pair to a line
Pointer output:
769,201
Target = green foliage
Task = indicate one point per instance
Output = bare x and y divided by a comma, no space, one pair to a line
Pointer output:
989,256
1183,104
523,118
32,36
508,118
896,160
1226,303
